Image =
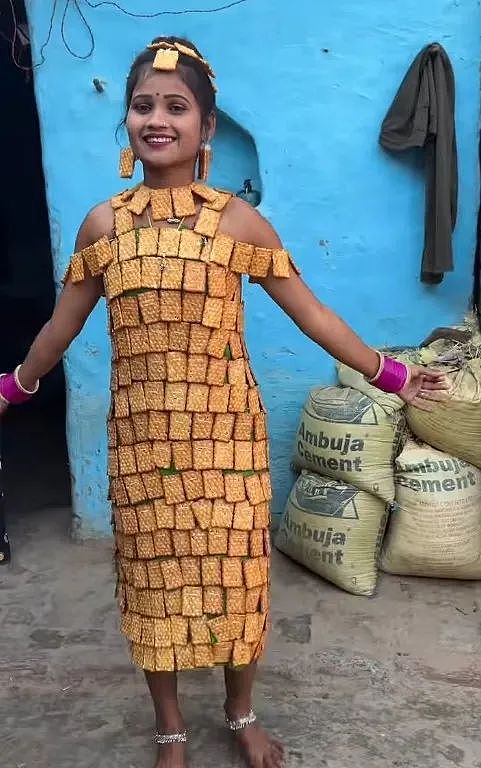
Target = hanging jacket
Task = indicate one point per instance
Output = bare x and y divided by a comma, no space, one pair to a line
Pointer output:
422,115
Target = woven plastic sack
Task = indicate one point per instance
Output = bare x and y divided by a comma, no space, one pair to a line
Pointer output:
346,435
454,426
436,528
334,530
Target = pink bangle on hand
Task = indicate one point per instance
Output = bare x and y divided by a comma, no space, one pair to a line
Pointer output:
392,376
12,392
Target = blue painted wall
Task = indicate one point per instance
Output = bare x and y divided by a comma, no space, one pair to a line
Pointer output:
312,89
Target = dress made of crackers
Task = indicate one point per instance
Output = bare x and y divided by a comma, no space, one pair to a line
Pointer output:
188,452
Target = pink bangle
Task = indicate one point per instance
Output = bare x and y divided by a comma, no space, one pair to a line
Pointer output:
392,376
12,392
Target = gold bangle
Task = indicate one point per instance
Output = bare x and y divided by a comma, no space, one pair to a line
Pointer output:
22,389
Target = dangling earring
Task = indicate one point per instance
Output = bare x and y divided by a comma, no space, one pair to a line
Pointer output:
205,159
127,163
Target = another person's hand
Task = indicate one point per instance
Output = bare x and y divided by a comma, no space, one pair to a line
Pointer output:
425,387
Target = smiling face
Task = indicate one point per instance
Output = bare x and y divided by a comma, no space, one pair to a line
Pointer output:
164,123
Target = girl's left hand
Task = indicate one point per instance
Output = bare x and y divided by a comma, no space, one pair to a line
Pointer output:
425,387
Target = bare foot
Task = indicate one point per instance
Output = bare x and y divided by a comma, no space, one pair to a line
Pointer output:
171,756
259,749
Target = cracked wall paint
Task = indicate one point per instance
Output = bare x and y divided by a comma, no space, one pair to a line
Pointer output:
312,90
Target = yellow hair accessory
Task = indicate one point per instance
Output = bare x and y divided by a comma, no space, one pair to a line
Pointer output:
167,57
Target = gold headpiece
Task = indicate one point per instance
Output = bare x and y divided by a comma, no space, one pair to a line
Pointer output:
167,57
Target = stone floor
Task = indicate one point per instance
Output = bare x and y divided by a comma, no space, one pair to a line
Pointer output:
390,681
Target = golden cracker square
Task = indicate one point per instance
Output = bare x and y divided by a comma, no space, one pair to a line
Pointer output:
243,516
236,372
223,426
213,600
158,426
190,567
260,262
234,487
173,489
265,479
256,543
131,274
181,542
198,542
180,630
171,305
202,510
235,344
244,423
173,602
236,599
252,573
139,340
216,281
184,518
192,600
121,404
238,543
127,246
124,221
224,455
127,462
232,575
241,258
164,514
141,427
260,430
153,485
172,574
203,454
193,307
184,657
213,484
212,316
161,204
164,660
180,426
254,490
179,337
222,514
145,546
149,307
190,245
195,273
199,631
143,454
222,247
207,222
163,543
197,398
197,368
176,366
172,274
183,201
162,633
135,489
222,653
219,398
169,240
242,456
156,366
139,201
193,484
175,396
151,272
202,424
182,454
280,263
220,202
217,542
261,455
238,398
217,371
147,243
229,315
199,339
138,368
113,281
136,398
162,453
203,656
211,571
158,337
242,653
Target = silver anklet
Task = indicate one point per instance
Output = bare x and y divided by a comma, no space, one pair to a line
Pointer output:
242,722
170,738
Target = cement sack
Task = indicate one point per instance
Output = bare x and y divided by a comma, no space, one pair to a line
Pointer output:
436,527
454,426
334,530
346,435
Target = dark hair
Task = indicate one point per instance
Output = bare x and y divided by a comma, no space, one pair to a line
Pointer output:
189,69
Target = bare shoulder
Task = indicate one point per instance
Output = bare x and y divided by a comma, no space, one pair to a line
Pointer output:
242,222
98,222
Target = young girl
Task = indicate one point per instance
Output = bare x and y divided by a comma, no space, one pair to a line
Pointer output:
188,455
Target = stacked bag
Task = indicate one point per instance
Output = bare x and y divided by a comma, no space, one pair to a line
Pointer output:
362,468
